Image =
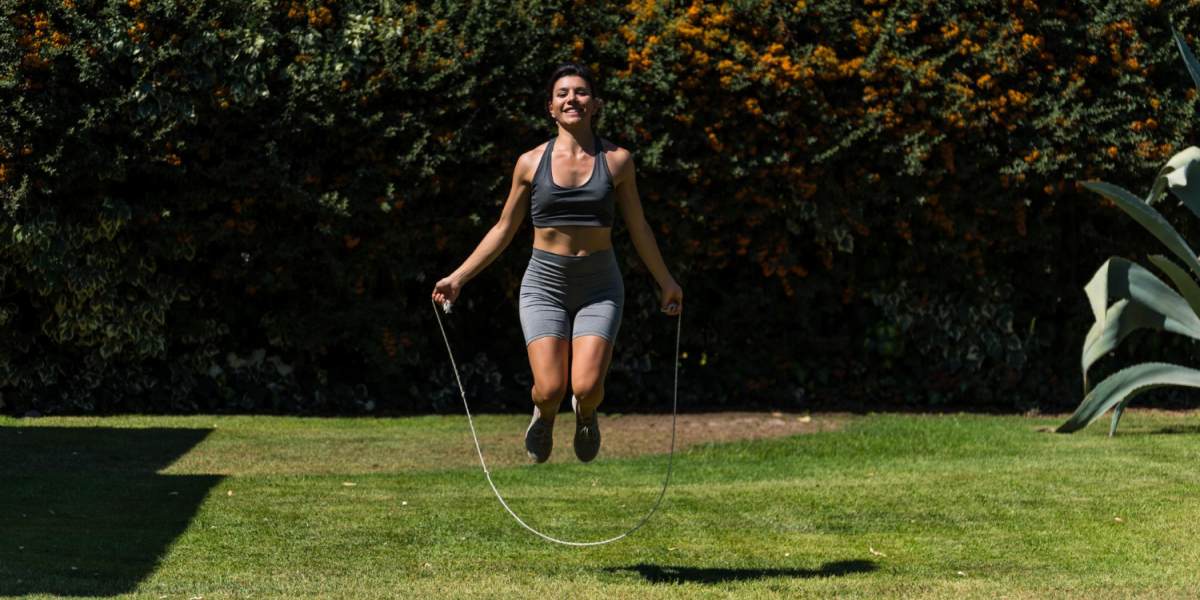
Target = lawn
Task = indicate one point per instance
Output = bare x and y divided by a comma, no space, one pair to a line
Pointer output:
949,506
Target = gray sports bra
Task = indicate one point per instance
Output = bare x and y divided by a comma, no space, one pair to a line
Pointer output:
590,204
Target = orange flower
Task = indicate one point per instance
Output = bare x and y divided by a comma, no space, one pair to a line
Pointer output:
322,16
713,141
388,342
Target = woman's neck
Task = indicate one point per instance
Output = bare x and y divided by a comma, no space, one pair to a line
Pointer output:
575,139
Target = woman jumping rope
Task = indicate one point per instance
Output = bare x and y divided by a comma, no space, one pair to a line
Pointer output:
572,289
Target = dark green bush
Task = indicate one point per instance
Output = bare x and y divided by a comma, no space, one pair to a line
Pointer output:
243,206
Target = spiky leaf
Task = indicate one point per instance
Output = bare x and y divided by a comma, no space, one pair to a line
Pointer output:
1143,301
1121,279
1126,384
1181,175
1124,318
1118,410
1148,218
1189,59
1183,282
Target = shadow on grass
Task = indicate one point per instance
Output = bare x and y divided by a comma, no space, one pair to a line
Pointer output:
1134,430
1172,429
83,510
670,574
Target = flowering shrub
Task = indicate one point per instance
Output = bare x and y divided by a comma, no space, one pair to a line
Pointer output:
183,182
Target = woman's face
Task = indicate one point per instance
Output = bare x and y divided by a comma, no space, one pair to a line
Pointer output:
571,101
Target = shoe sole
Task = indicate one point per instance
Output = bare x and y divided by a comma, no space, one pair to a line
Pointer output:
596,428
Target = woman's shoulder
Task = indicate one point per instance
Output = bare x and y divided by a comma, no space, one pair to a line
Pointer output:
618,157
527,163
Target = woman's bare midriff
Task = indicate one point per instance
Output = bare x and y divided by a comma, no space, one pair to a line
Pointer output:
572,240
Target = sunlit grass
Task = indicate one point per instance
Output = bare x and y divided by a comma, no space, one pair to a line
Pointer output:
888,505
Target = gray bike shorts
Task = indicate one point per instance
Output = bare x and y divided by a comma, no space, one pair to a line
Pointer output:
570,296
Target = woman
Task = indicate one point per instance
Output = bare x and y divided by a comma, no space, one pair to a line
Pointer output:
572,293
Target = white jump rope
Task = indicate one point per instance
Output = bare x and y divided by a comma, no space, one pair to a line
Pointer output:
670,457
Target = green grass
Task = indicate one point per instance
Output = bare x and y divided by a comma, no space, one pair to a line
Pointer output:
888,505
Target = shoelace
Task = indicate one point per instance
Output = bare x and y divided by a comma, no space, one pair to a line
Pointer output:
585,425
585,432
488,475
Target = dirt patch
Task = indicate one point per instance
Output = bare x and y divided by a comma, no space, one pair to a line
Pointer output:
626,436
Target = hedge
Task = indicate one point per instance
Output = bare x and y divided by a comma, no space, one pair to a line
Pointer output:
242,206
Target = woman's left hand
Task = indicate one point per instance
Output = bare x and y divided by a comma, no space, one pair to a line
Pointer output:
672,298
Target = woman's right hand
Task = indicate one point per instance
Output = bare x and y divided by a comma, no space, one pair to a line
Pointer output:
446,290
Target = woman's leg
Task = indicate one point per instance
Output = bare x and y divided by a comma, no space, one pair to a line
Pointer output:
597,321
589,364
548,358
545,322
590,359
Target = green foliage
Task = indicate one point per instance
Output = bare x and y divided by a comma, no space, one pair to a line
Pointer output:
1142,300
243,205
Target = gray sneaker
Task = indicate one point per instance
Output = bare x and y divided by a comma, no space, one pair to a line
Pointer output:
587,434
539,437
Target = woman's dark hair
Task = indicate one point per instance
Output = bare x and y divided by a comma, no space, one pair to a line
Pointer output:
567,69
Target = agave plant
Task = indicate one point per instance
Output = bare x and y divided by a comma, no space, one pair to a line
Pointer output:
1140,299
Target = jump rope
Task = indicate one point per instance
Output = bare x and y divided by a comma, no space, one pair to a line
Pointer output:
670,457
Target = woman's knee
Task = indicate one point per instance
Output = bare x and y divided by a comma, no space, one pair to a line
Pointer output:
587,388
550,389
592,355
548,360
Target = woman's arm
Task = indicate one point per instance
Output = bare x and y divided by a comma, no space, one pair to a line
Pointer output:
625,182
497,238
